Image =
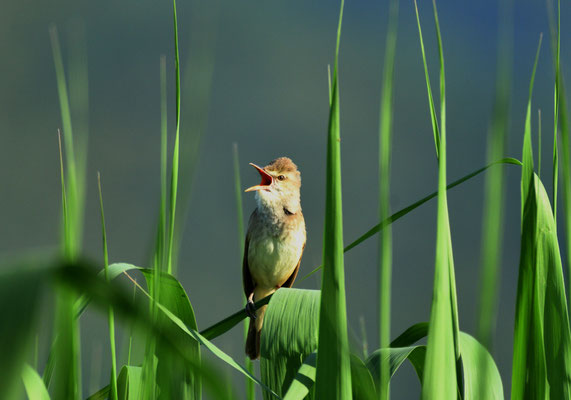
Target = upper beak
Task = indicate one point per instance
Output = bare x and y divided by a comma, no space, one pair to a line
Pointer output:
266,180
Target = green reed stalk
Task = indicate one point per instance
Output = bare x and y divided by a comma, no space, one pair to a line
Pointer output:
494,197
556,111
67,348
175,157
333,376
110,317
440,378
385,239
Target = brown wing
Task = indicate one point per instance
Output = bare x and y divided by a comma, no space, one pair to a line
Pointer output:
247,279
289,282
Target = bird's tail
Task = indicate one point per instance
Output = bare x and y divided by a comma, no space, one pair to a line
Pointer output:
253,341
254,334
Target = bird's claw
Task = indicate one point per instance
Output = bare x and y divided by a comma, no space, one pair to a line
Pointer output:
251,309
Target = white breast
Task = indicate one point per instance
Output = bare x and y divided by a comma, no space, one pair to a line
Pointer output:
272,259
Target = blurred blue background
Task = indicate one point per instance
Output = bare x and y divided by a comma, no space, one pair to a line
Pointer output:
255,73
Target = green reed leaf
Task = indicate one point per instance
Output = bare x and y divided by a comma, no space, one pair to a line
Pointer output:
385,240
529,376
289,336
333,378
34,385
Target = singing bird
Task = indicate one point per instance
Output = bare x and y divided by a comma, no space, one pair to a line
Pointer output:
274,242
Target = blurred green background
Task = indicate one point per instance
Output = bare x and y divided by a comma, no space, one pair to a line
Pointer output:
255,73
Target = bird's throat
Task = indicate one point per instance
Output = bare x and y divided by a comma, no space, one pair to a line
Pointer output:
275,207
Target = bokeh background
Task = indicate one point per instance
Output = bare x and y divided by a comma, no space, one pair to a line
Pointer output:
255,73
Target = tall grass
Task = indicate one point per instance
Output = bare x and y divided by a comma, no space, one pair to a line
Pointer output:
333,375
305,348
175,157
494,195
385,245
440,375
67,342
110,316
561,152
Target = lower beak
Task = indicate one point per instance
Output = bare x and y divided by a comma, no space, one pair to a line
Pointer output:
266,180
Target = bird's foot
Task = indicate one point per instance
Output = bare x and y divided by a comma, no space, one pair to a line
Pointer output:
251,309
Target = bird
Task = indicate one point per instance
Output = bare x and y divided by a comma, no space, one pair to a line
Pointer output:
275,241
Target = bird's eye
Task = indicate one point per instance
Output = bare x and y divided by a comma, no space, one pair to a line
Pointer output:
281,177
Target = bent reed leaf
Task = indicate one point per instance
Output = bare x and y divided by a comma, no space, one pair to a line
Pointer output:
34,385
104,293
290,335
479,371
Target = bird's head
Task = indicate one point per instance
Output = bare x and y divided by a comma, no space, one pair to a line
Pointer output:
280,186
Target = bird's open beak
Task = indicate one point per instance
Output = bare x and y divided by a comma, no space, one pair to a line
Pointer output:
266,180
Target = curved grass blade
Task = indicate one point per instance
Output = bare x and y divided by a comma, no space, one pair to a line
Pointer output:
363,385
401,349
101,394
178,296
401,213
394,357
130,382
209,333
174,377
177,380
289,336
34,385
480,374
412,335
473,356
215,350
304,379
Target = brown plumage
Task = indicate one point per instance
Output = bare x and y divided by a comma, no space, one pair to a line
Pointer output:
274,242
